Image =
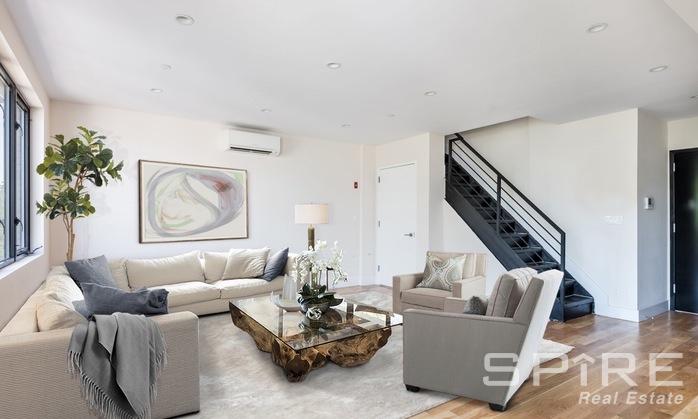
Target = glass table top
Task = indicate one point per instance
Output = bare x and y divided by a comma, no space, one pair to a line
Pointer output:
340,322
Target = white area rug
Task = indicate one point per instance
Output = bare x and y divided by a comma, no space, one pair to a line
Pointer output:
238,380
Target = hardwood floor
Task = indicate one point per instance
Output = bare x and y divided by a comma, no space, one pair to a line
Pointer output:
558,395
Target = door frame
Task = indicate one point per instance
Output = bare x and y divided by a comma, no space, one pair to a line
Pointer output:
377,180
672,234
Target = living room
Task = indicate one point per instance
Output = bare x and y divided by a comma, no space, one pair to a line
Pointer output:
322,207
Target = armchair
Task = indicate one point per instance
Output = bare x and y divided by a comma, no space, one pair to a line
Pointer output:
446,351
407,295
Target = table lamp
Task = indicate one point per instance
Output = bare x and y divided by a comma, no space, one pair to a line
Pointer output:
312,214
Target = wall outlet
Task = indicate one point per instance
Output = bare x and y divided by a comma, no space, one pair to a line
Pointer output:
613,219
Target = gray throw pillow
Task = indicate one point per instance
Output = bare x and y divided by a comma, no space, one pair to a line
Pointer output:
94,271
108,300
275,265
475,305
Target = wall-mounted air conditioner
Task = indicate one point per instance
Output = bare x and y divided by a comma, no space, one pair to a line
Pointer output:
252,142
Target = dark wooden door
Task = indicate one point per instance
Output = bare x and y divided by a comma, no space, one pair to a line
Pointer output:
685,237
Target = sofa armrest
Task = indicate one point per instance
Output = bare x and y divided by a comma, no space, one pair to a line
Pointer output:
402,283
446,352
36,383
466,288
454,305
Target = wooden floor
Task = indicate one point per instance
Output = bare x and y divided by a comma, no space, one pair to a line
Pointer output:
558,394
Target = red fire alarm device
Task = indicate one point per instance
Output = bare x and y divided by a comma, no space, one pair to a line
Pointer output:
356,185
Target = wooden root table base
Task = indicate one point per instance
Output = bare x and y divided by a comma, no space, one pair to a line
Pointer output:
349,352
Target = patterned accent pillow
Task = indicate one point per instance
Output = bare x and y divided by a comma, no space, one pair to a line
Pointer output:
441,273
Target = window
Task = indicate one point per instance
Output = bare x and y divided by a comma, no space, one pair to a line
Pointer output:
14,172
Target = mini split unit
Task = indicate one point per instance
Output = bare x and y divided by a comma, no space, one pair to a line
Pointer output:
252,142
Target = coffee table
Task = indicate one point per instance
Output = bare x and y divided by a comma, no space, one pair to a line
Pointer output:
348,335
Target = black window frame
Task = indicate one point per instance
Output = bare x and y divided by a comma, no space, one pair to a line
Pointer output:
14,100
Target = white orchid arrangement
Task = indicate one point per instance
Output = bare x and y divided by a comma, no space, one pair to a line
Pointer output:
313,262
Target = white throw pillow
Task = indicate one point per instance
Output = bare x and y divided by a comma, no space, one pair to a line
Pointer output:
118,272
146,273
53,313
245,263
214,265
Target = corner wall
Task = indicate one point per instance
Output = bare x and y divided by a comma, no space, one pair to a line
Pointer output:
653,224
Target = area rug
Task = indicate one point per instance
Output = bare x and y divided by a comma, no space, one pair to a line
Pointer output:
238,380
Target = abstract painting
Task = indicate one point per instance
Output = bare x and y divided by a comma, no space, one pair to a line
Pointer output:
183,202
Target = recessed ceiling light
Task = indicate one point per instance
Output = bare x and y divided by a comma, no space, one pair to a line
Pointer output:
265,110
346,125
391,115
694,97
334,66
166,67
658,68
599,27
155,90
184,20
430,93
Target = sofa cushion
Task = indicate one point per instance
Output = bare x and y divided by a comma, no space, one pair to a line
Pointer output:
214,265
245,263
118,272
52,313
146,273
59,281
245,287
24,321
94,270
442,273
507,292
189,292
425,297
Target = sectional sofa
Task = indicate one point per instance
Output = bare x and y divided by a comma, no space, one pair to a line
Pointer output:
33,345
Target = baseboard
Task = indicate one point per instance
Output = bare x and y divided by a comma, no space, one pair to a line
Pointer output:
651,311
630,314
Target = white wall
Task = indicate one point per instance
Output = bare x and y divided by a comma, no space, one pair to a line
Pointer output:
653,225
683,133
308,170
578,173
20,279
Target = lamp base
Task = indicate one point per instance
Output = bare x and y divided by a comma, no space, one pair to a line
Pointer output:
311,237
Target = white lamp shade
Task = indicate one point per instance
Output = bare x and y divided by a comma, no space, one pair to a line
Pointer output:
312,213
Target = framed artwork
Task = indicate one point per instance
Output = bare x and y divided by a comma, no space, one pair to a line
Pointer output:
185,202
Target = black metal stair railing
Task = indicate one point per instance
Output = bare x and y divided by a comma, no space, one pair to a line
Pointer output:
508,209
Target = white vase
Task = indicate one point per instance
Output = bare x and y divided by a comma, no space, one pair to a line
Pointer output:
290,289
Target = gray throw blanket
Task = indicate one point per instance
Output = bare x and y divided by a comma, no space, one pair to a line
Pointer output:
118,359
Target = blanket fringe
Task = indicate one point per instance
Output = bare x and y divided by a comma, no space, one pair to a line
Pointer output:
97,401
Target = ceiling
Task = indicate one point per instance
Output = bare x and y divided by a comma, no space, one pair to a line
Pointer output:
488,60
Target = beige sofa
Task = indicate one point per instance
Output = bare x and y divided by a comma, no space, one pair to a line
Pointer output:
33,366
407,295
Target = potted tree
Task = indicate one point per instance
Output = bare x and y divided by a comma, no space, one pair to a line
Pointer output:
69,165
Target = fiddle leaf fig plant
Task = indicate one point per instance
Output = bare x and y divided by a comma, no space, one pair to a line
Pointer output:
69,166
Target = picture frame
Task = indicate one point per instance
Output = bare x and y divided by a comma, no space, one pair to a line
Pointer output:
180,202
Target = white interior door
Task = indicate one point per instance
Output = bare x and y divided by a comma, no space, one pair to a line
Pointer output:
396,211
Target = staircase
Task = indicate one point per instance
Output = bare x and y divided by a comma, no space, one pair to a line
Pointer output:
517,232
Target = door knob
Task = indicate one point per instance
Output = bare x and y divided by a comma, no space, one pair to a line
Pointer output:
408,234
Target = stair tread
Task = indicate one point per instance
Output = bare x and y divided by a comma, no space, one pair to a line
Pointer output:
574,300
527,249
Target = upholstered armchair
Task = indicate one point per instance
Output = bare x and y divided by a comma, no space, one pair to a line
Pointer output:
407,295
446,351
